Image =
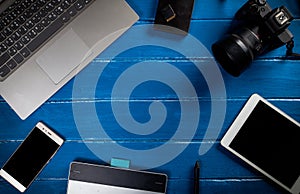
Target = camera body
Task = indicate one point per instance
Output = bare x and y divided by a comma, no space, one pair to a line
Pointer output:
260,30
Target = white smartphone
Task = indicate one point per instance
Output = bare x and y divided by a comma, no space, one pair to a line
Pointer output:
31,157
267,139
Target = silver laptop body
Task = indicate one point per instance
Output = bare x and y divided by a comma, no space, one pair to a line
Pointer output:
64,55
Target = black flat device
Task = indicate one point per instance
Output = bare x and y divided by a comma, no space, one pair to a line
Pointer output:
268,140
94,179
175,13
31,157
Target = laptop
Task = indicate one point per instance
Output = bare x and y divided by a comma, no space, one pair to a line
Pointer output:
45,43
94,179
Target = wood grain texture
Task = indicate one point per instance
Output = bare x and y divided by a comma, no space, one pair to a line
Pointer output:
272,77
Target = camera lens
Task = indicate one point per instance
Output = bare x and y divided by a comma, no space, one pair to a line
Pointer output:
236,51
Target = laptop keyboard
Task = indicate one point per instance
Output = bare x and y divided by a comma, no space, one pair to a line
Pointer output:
27,24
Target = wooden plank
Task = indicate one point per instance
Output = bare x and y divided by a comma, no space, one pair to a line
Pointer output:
270,78
213,9
38,186
61,161
216,164
226,186
269,75
59,117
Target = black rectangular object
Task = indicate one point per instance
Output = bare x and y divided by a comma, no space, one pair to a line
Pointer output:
118,177
30,158
268,136
182,13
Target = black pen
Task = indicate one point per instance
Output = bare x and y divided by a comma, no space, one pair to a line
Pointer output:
196,177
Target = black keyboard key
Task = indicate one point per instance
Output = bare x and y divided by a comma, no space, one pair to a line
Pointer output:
14,25
87,1
39,27
3,48
6,21
11,64
21,19
16,36
10,17
41,3
36,18
27,14
25,52
65,4
72,11
12,51
25,39
7,31
2,37
79,5
52,16
49,7
26,4
22,30
29,24
59,10
9,41
3,58
42,13
34,8
4,70
41,38
19,10
32,33
46,22
1,25
65,17
19,45
18,58
56,2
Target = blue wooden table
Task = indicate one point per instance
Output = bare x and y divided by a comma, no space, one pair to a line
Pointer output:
161,106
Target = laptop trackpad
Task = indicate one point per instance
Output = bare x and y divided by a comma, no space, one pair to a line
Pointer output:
63,56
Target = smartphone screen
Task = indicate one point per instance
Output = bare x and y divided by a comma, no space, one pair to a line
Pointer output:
31,156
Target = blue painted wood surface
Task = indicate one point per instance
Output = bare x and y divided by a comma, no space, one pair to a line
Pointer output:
276,79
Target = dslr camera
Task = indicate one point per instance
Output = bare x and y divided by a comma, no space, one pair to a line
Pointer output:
260,29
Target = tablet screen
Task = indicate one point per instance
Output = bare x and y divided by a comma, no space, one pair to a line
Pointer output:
270,141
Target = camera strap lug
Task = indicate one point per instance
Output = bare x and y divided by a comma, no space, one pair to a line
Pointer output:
289,52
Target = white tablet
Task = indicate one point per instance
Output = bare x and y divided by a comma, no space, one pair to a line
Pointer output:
268,140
